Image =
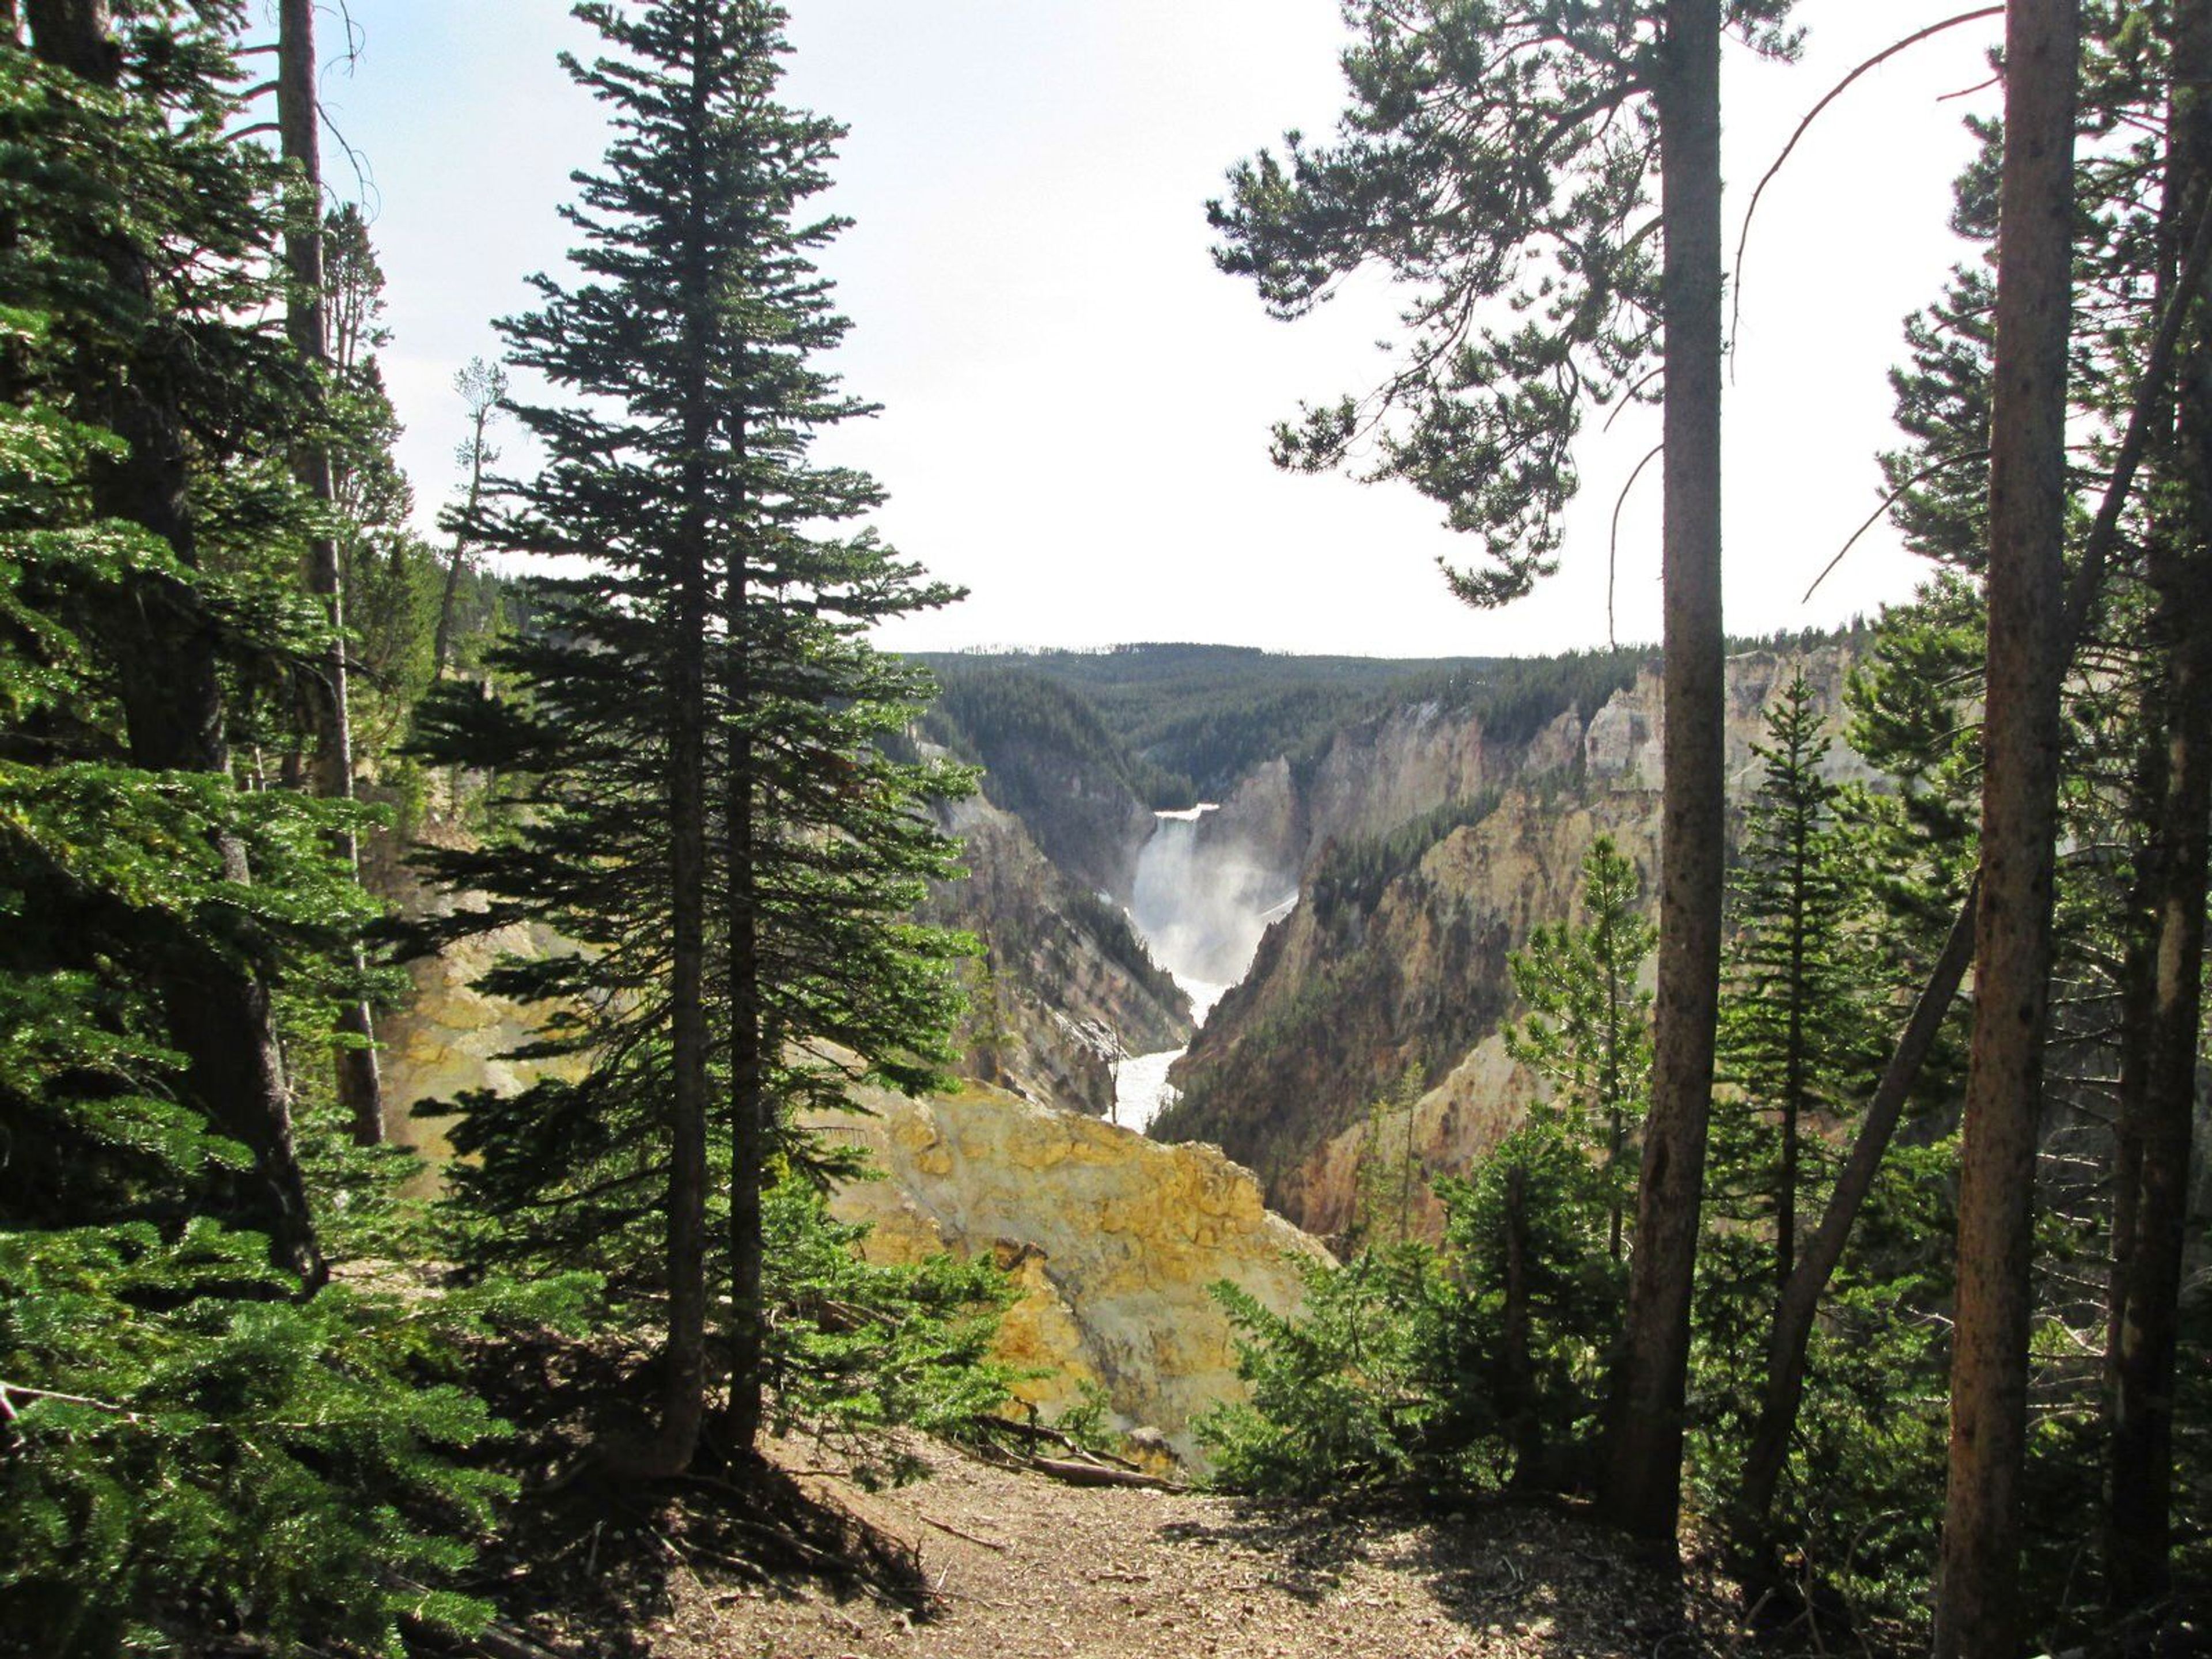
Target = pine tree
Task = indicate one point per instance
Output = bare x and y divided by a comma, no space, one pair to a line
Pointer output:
1588,1033
203,1451
705,809
1794,1037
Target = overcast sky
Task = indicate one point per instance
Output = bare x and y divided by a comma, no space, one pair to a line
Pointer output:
1077,404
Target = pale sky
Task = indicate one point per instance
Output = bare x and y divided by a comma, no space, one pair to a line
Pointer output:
1077,404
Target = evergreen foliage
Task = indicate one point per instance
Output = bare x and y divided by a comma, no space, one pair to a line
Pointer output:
1342,1391
199,1445
856,1348
1797,1046
695,790
1588,1034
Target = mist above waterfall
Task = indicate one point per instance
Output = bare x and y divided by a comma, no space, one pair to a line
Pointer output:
1202,903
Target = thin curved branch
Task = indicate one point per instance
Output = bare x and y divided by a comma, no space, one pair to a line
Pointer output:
1613,550
1628,398
1968,92
1890,501
1835,92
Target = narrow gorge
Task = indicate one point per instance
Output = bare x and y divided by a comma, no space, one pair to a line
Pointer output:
1337,894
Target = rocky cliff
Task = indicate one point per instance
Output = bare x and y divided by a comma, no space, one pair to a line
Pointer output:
1064,985
1113,1240
1395,954
447,1038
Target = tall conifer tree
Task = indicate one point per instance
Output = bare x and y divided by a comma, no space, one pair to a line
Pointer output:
711,819
1976,1605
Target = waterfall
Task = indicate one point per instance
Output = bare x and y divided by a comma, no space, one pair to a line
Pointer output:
1201,906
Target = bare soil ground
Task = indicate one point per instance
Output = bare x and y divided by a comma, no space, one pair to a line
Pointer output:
980,1562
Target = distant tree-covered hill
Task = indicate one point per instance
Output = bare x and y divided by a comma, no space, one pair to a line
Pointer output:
1177,724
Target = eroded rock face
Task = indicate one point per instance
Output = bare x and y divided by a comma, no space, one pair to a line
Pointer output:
1353,988
1069,985
1113,1238
1348,993
1622,747
449,1038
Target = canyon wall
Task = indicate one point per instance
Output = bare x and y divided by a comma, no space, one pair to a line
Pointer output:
1114,1241
1064,985
1396,954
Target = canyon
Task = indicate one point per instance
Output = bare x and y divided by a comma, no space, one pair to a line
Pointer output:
1238,977
1342,916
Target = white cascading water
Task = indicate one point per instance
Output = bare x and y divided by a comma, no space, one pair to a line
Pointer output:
1201,909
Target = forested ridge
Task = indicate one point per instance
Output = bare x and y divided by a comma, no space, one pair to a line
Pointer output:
1177,724
1835,1238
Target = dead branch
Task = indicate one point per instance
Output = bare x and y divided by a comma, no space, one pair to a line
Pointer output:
1098,1474
1813,114
1890,501
1612,548
946,1525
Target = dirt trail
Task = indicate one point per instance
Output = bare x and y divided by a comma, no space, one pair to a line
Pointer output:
1027,1568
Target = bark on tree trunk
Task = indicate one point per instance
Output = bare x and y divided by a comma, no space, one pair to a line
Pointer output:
683,1380
749,1105
1643,1481
2138,1522
298,119
218,1014
1977,1601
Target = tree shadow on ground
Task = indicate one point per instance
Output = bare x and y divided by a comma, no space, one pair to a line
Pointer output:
1540,1576
588,1565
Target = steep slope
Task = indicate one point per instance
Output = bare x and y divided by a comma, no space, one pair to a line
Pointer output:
1113,1240
1050,761
1360,985
1064,985
1438,844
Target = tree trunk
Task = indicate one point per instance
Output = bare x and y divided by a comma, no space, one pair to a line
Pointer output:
748,1104
2138,1520
683,1380
441,642
73,35
1800,1301
360,1093
1523,1431
1977,1599
218,1014
1644,1482
1616,1129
